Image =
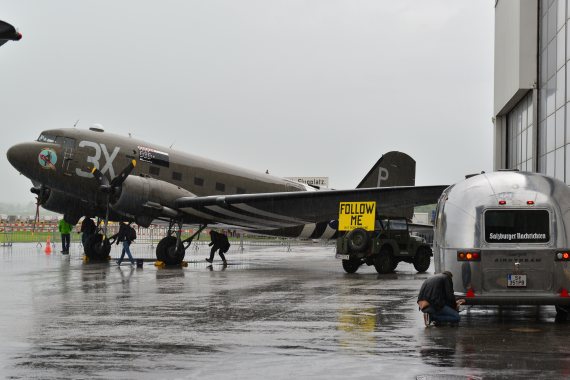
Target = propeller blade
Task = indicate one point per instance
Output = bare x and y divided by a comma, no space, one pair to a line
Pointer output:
118,180
100,177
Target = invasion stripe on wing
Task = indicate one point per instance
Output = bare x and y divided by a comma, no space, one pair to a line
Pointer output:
264,222
268,214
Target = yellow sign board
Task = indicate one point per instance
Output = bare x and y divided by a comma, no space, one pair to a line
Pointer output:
352,215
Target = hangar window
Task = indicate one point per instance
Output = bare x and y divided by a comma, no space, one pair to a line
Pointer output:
198,181
240,191
177,176
154,170
46,138
220,186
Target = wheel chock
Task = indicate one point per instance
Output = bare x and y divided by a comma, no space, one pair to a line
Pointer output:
85,259
184,264
160,264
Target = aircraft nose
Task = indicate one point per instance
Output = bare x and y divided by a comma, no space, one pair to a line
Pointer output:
18,155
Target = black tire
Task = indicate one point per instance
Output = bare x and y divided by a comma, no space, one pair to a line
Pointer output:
351,266
394,264
383,261
561,313
167,253
422,260
357,240
96,248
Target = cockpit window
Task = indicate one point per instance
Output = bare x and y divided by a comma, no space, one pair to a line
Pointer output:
46,138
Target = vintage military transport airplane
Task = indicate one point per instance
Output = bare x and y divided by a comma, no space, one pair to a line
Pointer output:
8,33
93,173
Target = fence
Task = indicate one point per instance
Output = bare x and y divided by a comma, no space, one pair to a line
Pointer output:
147,238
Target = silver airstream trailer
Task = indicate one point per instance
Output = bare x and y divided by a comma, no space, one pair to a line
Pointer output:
505,237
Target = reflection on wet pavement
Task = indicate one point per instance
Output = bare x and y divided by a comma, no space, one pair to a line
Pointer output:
269,313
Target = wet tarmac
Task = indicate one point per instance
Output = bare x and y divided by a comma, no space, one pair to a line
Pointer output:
269,314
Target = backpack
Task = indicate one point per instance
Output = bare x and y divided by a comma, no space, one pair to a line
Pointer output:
131,233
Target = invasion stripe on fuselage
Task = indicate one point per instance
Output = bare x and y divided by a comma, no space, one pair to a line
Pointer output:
203,215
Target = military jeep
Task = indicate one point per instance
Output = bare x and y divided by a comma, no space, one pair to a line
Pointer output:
385,247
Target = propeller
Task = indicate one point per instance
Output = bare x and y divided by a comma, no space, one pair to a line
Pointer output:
112,188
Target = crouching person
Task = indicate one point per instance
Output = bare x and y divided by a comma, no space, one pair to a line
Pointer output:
437,301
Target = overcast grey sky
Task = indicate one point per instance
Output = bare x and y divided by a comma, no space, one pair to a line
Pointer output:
299,87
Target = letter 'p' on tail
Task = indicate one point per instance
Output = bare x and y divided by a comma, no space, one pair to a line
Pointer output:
392,169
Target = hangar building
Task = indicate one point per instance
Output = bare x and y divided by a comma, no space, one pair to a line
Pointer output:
532,86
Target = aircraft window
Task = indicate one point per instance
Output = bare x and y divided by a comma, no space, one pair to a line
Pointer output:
220,186
177,176
46,138
240,191
154,170
198,181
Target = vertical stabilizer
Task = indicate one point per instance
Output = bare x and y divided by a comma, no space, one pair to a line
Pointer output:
392,169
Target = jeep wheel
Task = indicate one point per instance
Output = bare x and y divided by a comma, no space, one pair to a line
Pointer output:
383,261
422,259
357,240
351,266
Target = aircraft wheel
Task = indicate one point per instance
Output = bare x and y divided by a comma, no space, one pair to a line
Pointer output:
167,253
383,261
422,259
351,266
96,248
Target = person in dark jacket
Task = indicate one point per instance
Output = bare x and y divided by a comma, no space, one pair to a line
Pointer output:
88,228
220,243
124,235
437,301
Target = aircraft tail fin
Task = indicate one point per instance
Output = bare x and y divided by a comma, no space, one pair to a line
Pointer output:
392,169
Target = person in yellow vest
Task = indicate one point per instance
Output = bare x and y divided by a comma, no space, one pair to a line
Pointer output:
65,231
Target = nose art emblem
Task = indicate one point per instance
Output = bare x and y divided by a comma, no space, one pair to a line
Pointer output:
47,158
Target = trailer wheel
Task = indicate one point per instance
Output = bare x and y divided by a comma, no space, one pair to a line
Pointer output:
422,259
351,266
383,261
357,240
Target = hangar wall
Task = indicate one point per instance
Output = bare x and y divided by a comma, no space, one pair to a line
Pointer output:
532,87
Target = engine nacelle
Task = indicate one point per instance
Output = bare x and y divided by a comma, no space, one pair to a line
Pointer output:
73,208
145,198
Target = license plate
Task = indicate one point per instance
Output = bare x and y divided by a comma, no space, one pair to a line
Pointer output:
516,280
342,257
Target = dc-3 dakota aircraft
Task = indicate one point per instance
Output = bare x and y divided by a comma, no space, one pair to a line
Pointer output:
8,33
93,173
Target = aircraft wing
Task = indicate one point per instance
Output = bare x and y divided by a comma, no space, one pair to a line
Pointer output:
8,33
285,209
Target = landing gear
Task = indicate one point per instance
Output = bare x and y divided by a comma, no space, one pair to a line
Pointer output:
97,247
172,249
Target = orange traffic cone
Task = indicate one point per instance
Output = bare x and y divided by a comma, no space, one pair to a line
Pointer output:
48,247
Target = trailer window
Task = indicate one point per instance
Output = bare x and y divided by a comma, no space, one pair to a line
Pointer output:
517,226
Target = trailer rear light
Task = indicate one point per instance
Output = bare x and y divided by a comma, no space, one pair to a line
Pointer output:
470,293
502,202
564,293
563,256
468,256
530,203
